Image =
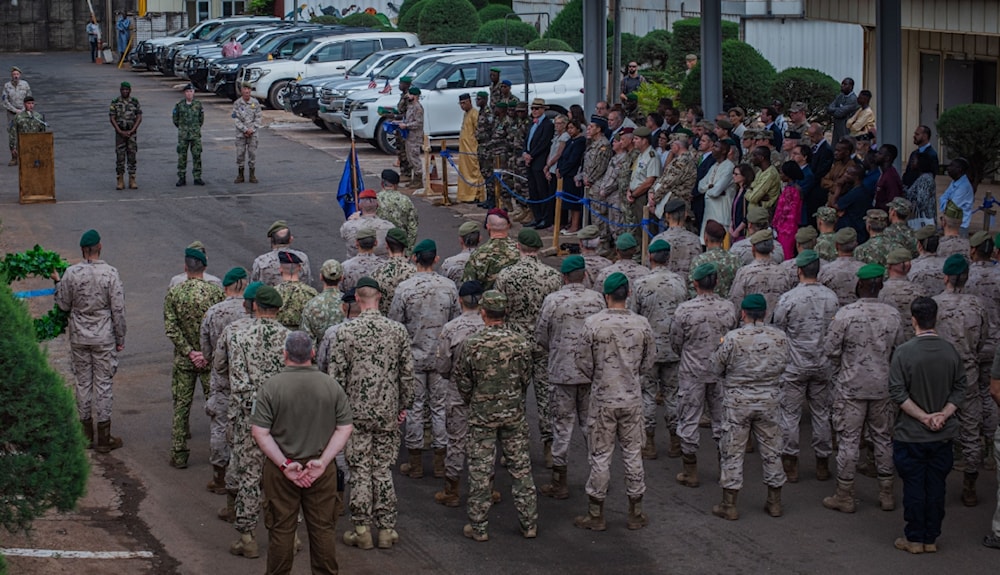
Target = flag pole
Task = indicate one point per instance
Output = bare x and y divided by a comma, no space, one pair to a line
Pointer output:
354,166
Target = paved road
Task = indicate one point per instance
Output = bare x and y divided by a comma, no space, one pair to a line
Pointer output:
144,234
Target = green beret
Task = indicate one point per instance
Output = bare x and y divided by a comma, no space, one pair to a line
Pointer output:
870,272
251,291
761,236
979,238
845,236
805,258
589,232
495,69
277,226
268,296
406,80
703,271
415,91
367,281
951,210
614,281
925,232
898,256
758,216
625,242
126,85
427,245
632,97
196,254
501,105
572,264
806,234
365,233
826,214
397,235
754,302
529,237
482,94
955,265
467,228
90,238
493,300
659,246
234,275
331,270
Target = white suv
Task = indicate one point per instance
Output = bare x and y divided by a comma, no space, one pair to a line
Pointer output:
328,55
556,77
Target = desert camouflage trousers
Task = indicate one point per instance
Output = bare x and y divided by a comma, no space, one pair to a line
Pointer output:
430,394
738,422
569,406
662,380
457,427
94,367
796,389
849,417
610,425
217,409
970,421
693,399
246,149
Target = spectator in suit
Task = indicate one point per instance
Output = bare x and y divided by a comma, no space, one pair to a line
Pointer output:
706,159
843,107
535,154
922,140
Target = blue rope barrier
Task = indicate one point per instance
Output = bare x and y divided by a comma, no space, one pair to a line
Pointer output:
446,154
34,293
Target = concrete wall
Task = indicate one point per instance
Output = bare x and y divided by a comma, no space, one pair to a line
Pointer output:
39,25
807,44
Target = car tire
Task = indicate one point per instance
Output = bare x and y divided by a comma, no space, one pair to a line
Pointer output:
319,123
334,128
385,141
276,96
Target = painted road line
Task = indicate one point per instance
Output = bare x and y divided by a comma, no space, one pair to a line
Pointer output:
59,554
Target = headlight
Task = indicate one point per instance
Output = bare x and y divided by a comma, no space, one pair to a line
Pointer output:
306,90
230,67
258,73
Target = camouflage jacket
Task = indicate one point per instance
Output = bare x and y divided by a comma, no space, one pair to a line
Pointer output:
684,247
984,281
183,310
484,129
488,259
560,330
219,380
618,350
325,347
453,267
321,312
30,123
743,250
216,319
963,320
526,283
925,271
294,297
125,112
900,234
492,374
749,362
805,313
423,304
93,295
656,297
594,264
632,271
763,277
949,245
859,344
414,120
900,293
596,158
188,118
358,267
13,96
698,327
266,267
247,115
727,264
840,275
253,354
678,179
398,209
826,247
349,232
875,250
393,271
453,336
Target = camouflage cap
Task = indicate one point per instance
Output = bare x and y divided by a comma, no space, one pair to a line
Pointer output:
845,236
759,216
589,232
753,302
951,210
876,216
277,226
761,236
331,270
197,245
980,237
268,296
572,264
493,300
806,234
805,258
704,270
251,292
898,256
614,281
467,228
955,265
659,246
827,214
870,272
196,254
234,275
90,238
902,206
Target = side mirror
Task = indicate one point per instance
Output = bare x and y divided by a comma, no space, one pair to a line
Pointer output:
441,84
314,58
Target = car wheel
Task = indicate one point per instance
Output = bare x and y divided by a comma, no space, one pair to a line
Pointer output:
385,141
334,128
319,123
278,95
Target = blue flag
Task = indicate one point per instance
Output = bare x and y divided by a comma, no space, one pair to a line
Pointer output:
345,192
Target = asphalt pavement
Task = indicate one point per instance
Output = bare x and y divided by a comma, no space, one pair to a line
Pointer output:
144,233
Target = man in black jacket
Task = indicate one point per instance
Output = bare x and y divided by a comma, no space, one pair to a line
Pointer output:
536,152
820,164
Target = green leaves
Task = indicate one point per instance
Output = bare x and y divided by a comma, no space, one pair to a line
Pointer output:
38,262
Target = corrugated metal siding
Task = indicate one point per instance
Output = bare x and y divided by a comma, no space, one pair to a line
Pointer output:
965,16
806,43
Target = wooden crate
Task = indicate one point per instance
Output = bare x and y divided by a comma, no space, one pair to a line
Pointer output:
36,168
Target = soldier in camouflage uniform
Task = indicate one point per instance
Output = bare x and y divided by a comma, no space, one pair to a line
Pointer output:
468,238
405,169
294,294
698,327
394,270
826,220
805,239
183,311
188,116
397,208
453,336
248,117
878,245
684,245
413,120
963,320
250,355
758,219
502,125
984,281
12,97
366,217
804,313
750,362
497,253
899,233
92,294
526,283
596,157
951,241
898,291
27,122
559,332
726,263
363,264
494,93
925,270
840,275
324,310
627,215
423,303
484,137
656,297
372,358
349,308
678,179
762,275
216,319
606,190
517,134
492,375
618,349
626,246
266,267
126,115
859,344
506,95
590,242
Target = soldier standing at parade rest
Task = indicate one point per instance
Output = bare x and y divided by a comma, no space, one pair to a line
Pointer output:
27,122
189,116
414,122
247,115
267,268
497,253
397,208
324,310
14,93
126,115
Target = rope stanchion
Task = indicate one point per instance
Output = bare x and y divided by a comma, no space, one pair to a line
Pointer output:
645,236
557,223
445,199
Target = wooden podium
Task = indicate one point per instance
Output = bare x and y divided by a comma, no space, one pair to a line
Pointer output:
36,168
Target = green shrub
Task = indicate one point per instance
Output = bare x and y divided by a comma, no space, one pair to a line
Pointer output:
972,131
568,25
507,3
363,20
550,44
654,48
650,94
409,15
511,33
447,21
42,458
495,12
630,50
324,19
812,87
406,6
261,7
3,565
747,78
479,4
686,39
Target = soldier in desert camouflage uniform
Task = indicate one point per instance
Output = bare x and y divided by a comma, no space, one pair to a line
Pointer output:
363,264
497,253
698,327
366,217
394,270
526,283
878,245
898,291
468,238
293,292
492,375
397,208
372,359
126,115
840,275
424,303
899,233
804,313
618,349
750,362
925,269
626,246
951,241
826,219
590,242
92,293
560,334
726,263
684,245
758,219
247,116
413,120
324,310
183,310
762,275
216,319
679,177
859,344
252,354
266,267
597,155
984,281
605,190
453,336
656,297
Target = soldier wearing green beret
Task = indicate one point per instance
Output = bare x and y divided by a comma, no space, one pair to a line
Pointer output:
859,343
125,115
963,320
393,270
984,281
897,290
925,269
804,313
294,293
627,247
468,239
840,275
181,277
617,352
750,362
762,275
952,239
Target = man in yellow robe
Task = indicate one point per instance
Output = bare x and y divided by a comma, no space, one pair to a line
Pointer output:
470,179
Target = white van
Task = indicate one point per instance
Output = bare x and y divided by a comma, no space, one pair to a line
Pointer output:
328,55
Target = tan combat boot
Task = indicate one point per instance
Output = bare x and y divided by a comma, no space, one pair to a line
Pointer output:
120,184
773,506
689,477
131,182
548,454
822,468
557,489
649,448
105,441
414,467
727,509
439,454
253,176
969,497
791,465
239,177
470,532
245,546
449,496
914,547
594,519
360,537
636,518
674,451
218,483
843,498
228,513
886,499
88,431
387,538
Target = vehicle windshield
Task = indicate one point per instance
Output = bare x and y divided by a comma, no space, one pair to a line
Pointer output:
303,51
206,30
420,67
425,80
221,33
269,45
370,63
396,69
251,46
